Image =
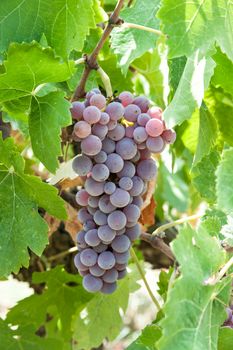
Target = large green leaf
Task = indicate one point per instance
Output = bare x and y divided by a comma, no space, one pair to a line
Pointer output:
225,180
223,72
190,91
65,23
194,311
225,339
102,317
196,25
128,43
21,224
147,339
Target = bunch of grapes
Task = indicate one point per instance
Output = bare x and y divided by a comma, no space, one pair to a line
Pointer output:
117,139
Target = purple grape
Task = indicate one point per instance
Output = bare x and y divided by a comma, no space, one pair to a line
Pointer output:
92,284
93,201
118,133
132,213
89,225
91,210
100,172
169,136
122,274
155,144
82,165
99,131
110,276
142,102
120,198
104,119
88,257
141,146
138,186
122,258
120,267
129,131
91,115
117,220
100,218
121,244
98,101
128,170
109,187
126,183
126,98
83,215
114,163
101,157
132,112
133,232
77,110
145,154
101,248
126,148
106,234
91,145
96,271
147,169
154,127
136,158
108,145
109,288
143,119
140,134
112,125
138,201
106,260
94,188
120,232
92,238
82,197
115,110
105,204
82,129
78,264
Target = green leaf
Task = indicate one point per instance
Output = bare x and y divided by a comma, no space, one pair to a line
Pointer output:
61,298
128,43
194,311
63,26
223,71
225,339
176,68
47,116
204,178
224,181
190,91
146,341
164,278
21,224
196,25
102,316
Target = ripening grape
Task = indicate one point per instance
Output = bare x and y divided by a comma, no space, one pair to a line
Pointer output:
154,127
115,110
138,186
108,145
129,131
88,257
117,133
77,110
91,145
91,114
82,129
82,165
92,238
105,204
155,112
101,248
92,284
121,274
82,197
100,157
132,112
155,144
132,213
140,135
117,220
100,172
112,125
89,225
83,215
126,98
106,260
99,130
108,288
93,201
120,198
114,163
128,170
169,136
100,218
122,258
121,244
106,233
142,102
96,271
126,148
98,101
110,276
94,188
126,183
147,169
109,187
104,118
142,119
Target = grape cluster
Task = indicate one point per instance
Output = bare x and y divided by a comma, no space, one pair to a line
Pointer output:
117,139
229,320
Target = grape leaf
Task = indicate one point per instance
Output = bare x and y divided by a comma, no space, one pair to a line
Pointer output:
190,92
63,26
21,224
102,317
47,116
147,339
224,181
225,339
176,68
194,311
223,71
196,25
128,43
61,298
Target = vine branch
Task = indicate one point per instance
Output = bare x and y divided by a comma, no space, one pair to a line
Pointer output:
158,243
140,27
91,61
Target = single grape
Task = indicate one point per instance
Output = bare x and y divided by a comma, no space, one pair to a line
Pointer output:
105,204
126,183
140,134
101,248
141,146
104,119
122,274
127,171
92,284
108,145
77,110
94,188
136,158
117,220
109,288
96,91
110,276
78,264
129,131
106,234
91,114
138,185
132,213
120,244
145,154
100,172
126,148
96,271
147,169
82,129
82,165
115,110
92,238
112,125
109,188
101,157
83,215
122,258
118,133
100,130
120,198
169,136
98,101
120,232
89,225
155,112
142,119
142,102
155,144
82,197
114,162
100,218
120,267
106,260
91,145
132,112
88,257
126,98
138,201
154,127
93,201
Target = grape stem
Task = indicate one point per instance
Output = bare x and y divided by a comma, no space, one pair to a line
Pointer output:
176,222
79,61
62,254
91,61
158,243
214,280
106,81
140,27
141,272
